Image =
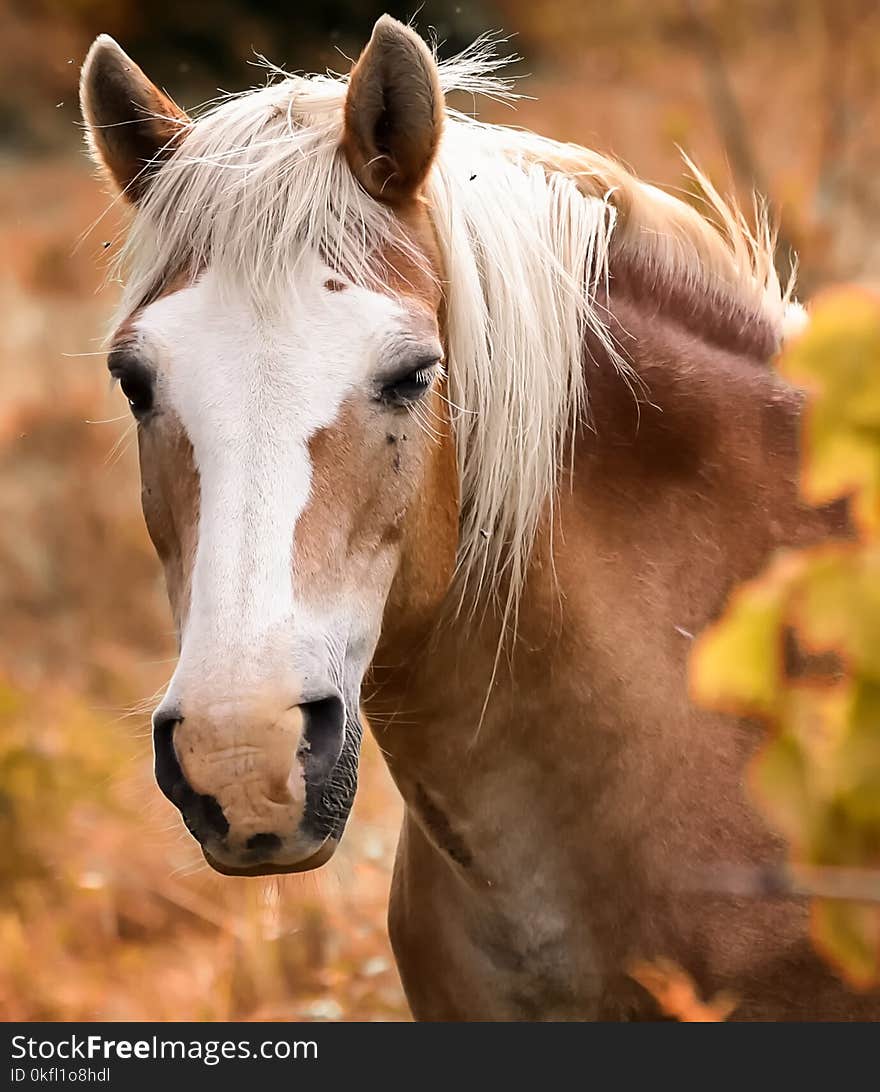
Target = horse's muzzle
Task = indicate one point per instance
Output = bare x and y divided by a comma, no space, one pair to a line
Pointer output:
261,794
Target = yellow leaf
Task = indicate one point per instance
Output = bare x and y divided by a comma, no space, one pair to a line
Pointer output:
737,664
800,644
838,604
779,780
848,933
837,360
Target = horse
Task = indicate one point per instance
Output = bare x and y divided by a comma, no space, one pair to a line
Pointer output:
459,433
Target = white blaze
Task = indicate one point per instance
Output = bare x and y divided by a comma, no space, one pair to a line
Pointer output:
250,392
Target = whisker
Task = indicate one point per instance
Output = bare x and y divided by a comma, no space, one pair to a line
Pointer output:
118,450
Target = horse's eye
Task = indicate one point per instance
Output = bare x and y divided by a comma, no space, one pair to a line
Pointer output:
410,386
139,392
135,379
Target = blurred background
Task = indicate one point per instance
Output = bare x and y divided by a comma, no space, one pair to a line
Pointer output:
105,909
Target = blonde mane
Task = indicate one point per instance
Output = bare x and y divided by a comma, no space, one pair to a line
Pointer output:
527,228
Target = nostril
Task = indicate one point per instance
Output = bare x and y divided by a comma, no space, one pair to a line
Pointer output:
169,775
263,843
201,813
324,734
213,816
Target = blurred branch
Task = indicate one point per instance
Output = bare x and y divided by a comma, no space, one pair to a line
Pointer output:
722,100
730,123
835,125
793,881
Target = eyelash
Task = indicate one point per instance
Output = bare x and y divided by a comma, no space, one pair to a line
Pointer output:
408,388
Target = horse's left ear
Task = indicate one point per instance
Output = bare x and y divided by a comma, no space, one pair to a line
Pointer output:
132,127
393,113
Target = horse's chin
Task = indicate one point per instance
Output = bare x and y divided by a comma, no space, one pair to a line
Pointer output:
274,868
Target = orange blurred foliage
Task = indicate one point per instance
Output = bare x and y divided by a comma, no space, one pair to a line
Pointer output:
106,911
674,991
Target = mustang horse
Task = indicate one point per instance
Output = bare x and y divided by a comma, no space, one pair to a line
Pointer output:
460,432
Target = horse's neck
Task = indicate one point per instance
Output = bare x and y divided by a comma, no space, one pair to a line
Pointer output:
562,826
680,490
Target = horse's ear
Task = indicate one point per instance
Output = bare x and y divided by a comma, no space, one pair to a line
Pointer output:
393,113
131,126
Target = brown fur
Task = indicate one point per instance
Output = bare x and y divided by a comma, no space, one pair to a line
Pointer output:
593,791
551,835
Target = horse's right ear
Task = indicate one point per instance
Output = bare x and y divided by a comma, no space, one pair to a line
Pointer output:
132,127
